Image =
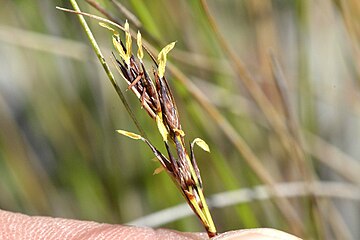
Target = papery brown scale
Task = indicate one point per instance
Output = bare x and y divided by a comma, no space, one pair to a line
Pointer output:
151,90
146,104
182,176
172,159
165,102
133,64
137,79
132,75
141,84
122,68
189,181
136,87
189,195
196,168
168,106
135,83
178,167
185,171
170,95
181,151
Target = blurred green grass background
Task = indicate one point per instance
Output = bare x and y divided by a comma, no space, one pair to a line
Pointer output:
60,155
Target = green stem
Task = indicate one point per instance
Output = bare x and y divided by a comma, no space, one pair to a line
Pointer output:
105,65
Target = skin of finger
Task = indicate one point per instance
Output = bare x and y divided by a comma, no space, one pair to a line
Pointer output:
256,234
19,226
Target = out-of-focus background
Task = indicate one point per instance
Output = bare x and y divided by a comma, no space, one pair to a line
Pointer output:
271,86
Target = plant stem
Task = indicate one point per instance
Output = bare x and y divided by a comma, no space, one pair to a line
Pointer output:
106,66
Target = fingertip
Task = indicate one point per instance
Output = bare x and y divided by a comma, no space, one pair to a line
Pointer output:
256,234
172,234
20,227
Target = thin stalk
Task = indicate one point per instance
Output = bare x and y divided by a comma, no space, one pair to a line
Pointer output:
102,10
106,66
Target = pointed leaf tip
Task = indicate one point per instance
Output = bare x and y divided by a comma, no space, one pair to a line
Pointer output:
119,48
202,144
104,25
128,41
130,134
126,25
168,48
140,53
162,58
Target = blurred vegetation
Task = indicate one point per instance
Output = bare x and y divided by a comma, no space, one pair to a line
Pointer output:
271,86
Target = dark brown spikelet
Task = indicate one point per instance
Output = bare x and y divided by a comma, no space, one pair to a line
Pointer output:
167,104
157,99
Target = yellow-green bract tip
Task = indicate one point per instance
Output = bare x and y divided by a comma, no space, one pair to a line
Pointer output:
104,25
126,25
161,127
128,41
162,58
140,53
130,134
201,143
120,49
166,50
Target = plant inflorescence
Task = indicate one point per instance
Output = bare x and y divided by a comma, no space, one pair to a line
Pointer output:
158,101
